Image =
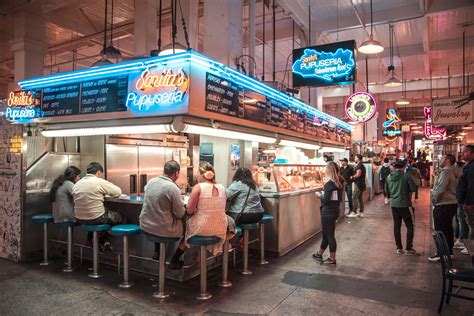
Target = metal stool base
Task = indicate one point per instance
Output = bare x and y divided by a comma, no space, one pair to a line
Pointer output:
204,296
68,269
126,285
225,284
262,262
161,295
246,272
44,263
95,275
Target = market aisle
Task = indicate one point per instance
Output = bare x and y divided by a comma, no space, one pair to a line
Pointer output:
370,278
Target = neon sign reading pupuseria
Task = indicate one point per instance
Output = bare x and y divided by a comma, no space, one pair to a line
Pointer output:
158,88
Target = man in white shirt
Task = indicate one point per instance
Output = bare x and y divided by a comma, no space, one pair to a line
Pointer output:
88,194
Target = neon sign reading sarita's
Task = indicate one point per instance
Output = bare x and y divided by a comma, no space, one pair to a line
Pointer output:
21,106
163,87
325,66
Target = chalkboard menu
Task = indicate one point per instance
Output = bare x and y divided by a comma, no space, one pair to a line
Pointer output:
62,100
104,95
278,114
223,96
87,97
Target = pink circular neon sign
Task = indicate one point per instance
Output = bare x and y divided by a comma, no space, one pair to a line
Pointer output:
360,107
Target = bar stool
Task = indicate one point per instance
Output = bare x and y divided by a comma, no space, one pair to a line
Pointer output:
225,260
44,219
202,242
161,294
95,229
70,226
125,231
246,228
267,218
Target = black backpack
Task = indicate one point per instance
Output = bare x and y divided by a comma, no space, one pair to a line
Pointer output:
384,173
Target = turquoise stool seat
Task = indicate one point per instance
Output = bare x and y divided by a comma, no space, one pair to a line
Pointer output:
267,218
238,231
69,226
249,226
163,241
125,231
203,240
44,219
95,228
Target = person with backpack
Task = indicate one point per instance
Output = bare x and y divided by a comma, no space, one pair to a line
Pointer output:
414,172
384,173
399,187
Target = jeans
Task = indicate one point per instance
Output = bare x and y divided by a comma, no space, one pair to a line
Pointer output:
109,217
348,189
405,214
461,228
328,222
443,221
416,192
358,199
382,182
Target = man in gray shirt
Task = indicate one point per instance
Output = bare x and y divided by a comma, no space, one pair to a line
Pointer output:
163,208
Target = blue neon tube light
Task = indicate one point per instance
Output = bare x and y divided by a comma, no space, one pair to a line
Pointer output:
196,59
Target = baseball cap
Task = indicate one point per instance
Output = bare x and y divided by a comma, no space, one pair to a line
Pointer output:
399,164
344,159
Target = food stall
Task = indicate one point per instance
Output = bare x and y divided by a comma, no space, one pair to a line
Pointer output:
134,116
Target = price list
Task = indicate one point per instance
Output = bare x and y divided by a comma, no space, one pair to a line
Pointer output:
104,95
60,101
222,96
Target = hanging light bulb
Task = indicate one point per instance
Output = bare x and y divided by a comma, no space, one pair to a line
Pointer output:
175,47
371,46
110,51
169,49
402,101
393,81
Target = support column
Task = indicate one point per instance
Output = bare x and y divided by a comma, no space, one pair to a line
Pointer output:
191,17
223,30
145,27
252,36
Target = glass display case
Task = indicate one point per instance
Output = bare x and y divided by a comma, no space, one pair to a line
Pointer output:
288,178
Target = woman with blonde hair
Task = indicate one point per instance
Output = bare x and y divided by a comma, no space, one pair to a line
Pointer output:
330,199
206,208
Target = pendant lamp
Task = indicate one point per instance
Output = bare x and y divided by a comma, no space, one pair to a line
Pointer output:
403,100
111,51
371,46
174,47
392,81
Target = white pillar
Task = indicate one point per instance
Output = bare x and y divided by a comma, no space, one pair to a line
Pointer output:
252,36
191,17
223,30
145,27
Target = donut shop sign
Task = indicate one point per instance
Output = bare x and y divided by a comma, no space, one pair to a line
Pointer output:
453,111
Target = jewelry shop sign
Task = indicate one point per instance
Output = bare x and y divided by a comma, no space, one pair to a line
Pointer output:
454,111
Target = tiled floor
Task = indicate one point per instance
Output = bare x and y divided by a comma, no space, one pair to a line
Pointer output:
370,278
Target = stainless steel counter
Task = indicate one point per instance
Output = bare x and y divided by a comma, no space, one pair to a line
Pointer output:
137,200
297,218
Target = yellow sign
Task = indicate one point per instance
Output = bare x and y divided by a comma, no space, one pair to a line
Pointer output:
20,98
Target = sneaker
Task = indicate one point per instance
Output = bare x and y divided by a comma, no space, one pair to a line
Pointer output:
400,251
410,252
352,214
329,261
318,257
458,244
107,246
386,201
434,258
176,265
465,251
360,214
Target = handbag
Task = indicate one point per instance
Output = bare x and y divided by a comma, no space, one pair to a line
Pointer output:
243,207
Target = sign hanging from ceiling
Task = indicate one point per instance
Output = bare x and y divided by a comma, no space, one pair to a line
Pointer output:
453,111
360,107
432,132
391,130
324,65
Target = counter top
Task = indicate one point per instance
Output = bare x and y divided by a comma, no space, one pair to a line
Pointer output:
290,193
125,199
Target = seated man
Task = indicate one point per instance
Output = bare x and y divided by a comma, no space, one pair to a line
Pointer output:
163,208
88,194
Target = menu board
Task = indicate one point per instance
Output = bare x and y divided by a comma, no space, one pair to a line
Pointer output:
278,114
104,95
255,106
60,101
223,96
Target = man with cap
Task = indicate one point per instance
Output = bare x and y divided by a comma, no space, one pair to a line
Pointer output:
399,187
347,171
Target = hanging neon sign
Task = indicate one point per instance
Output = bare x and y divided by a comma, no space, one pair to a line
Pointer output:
22,106
391,131
360,107
157,87
431,132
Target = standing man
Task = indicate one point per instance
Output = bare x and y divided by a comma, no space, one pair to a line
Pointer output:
347,172
358,188
384,173
444,200
163,208
465,191
88,194
399,187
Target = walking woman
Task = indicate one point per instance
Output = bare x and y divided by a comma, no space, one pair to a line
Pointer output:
330,200
61,195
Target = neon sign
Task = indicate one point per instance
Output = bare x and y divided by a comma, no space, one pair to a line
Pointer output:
391,131
360,107
324,65
20,98
156,87
431,132
22,106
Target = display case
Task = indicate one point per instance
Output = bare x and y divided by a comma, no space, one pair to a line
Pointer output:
289,178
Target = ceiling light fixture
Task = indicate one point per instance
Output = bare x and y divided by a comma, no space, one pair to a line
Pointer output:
176,47
371,46
467,128
285,142
403,100
393,81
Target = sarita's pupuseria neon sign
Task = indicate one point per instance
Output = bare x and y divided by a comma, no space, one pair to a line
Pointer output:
157,87
21,106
